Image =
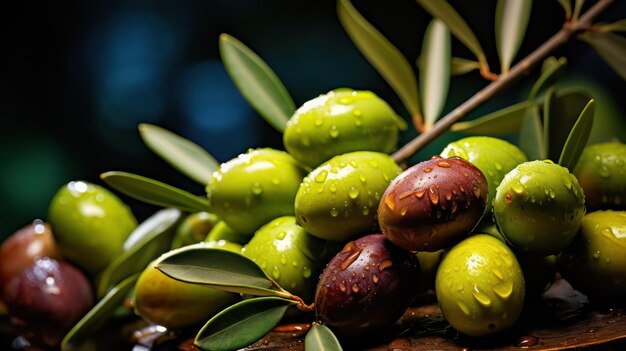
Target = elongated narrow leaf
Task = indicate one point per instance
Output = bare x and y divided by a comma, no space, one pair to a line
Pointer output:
531,135
242,324
505,121
567,6
458,27
611,47
577,139
565,108
150,239
435,70
98,315
217,268
459,66
187,157
511,22
256,81
321,338
578,5
617,26
154,192
547,120
385,57
551,71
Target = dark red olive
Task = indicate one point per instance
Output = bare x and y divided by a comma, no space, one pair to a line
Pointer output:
367,286
48,298
433,204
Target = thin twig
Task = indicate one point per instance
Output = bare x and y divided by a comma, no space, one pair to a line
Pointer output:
503,81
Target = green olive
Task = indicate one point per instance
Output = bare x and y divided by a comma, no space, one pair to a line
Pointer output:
221,231
194,229
254,188
494,157
601,172
288,254
338,122
429,262
339,199
90,224
595,262
480,286
538,207
173,304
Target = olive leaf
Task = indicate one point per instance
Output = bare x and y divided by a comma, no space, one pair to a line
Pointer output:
505,121
459,66
617,26
182,154
321,338
564,109
577,139
381,54
98,315
435,70
531,135
567,6
256,81
151,238
242,323
458,27
551,71
220,269
511,22
611,47
154,192
578,5
547,119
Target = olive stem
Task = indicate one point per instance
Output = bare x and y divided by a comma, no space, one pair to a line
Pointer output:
300,304
502,82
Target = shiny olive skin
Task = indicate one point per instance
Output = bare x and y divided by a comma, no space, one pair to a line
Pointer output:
494,157
221,231
601,172
288,254
338,199
538,207
90,224
480,286
595,262
173,304
20,250
433,204
254,188
338,122
366,287
429,262
194,229
48,298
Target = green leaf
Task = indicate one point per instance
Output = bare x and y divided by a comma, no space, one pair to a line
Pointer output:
154,192
551,71
531,135
611,47
578,5
220,269
435,70
441,9
511,22
564,109
187,157
149,240
505,121
567,6
547,119
98,315
459,66
256,81
321,338
381,54
577,139
617,26
242,324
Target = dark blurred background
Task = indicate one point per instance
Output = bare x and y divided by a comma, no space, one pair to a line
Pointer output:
77,77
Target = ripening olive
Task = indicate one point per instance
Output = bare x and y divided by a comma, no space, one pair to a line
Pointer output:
221,231
338,122
480,286
23,248
601,172
538,207
432,204
338,199
194,229
174,304
254,188
595,262
366,287
89,224
494,157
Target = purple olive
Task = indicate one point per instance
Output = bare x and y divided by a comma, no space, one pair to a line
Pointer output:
367,286
433,204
